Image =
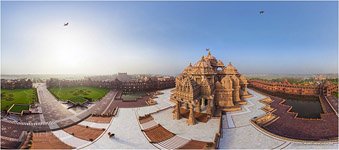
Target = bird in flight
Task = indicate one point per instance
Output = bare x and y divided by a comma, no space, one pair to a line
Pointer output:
65,24
261,12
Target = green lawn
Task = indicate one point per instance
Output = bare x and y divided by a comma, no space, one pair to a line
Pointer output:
132,96
17,96
336,94
78,94
19,108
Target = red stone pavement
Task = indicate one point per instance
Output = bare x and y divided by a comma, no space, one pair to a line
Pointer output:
306,129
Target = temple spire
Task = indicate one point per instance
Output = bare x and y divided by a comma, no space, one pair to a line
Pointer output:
209,52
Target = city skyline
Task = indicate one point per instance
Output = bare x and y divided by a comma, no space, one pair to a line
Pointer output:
164,37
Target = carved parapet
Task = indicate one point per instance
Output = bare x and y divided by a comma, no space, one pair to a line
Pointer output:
267,108
151,101
267,100
265,119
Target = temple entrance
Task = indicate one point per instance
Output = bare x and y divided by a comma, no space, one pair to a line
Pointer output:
201,117
205,101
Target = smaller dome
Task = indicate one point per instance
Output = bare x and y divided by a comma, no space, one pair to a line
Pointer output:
211,59
220,63
188,69
243,80
230,69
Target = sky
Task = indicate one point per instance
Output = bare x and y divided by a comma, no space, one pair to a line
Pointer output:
164,37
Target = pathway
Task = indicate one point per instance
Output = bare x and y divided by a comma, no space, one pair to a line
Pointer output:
127,133
51,108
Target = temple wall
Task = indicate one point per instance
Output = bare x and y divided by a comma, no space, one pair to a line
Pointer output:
286,88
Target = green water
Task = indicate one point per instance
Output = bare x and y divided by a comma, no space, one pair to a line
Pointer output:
305,108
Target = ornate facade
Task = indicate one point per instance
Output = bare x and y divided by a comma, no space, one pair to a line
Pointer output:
210,85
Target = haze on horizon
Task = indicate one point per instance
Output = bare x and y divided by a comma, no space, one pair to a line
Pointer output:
164,37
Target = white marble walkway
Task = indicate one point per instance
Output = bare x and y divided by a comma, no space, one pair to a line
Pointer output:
200,131
70,139
94,124
162,103
127,132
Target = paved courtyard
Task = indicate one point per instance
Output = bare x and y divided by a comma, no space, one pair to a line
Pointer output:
238,132
127,133
125,126
200,131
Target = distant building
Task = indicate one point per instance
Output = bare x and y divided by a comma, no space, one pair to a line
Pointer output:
319,77
16,84
208,83
144,84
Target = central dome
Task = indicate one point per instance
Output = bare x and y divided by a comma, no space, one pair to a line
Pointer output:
202,63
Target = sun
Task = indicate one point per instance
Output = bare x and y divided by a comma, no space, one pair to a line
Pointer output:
69,48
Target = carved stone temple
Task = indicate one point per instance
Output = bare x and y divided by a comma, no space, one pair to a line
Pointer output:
208,86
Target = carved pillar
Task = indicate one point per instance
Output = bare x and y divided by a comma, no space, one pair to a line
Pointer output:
191,118
198,107
229,98
186,106
176,113
202,102
209,108
213,106
236,95
245,92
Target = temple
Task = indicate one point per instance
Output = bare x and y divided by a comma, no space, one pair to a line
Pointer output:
209,85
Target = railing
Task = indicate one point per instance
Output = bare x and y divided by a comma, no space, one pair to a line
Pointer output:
331,106
219,134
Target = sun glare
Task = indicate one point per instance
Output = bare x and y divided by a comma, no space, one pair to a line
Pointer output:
69,47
